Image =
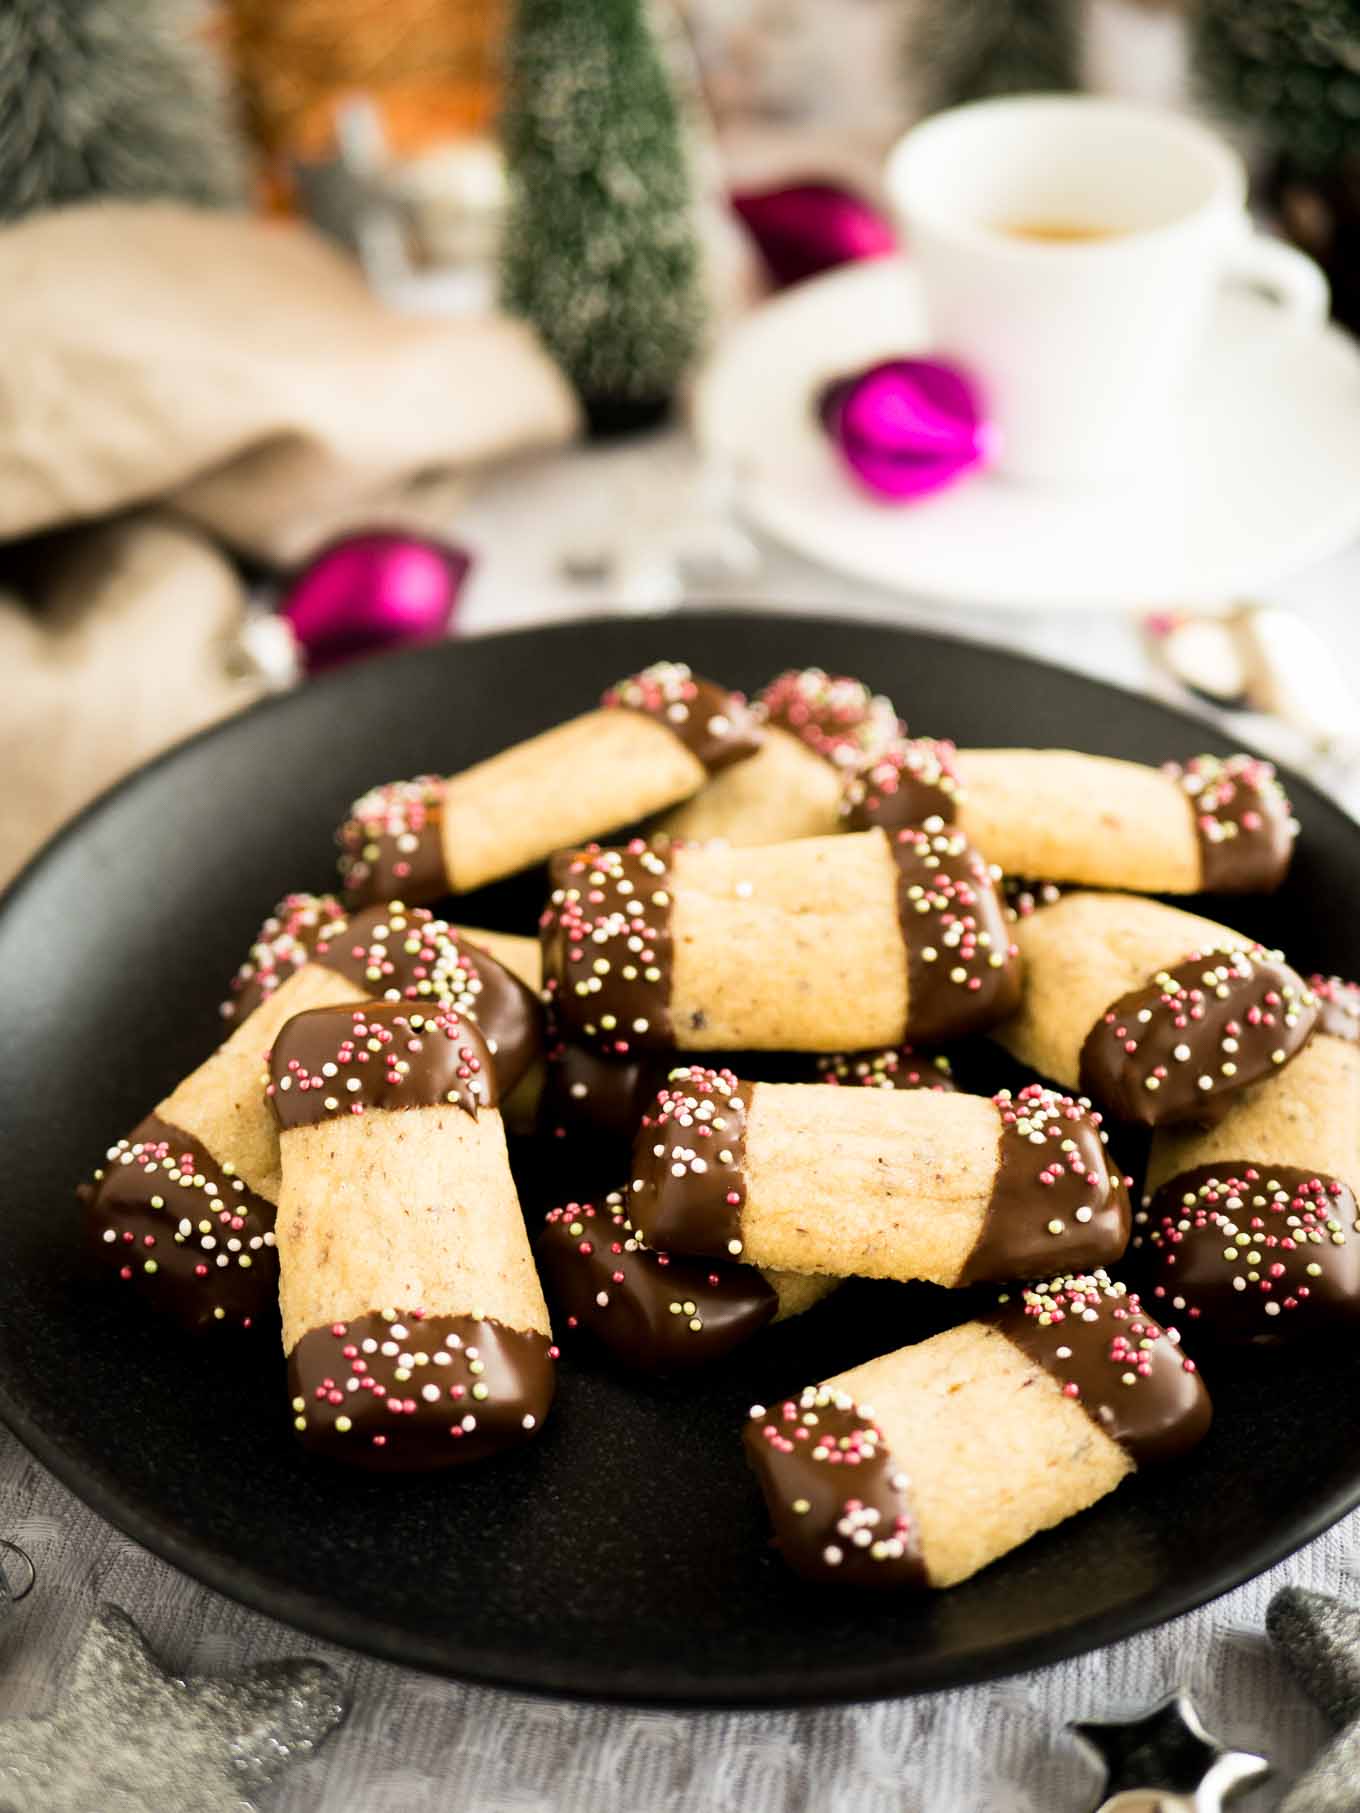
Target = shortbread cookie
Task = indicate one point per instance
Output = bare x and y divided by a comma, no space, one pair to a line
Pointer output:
818,729
1157,1015
919,1468
184,1206
953,1189
824,944
654,740
1213,824
893,1067
1249,1228
657,1313
413,1321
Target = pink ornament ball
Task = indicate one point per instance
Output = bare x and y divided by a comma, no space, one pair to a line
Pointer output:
907,427
806,228
379,589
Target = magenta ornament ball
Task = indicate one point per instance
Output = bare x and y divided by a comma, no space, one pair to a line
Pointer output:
907,427
805,228
379,589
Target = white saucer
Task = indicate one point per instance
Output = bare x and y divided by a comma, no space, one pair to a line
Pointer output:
1261,477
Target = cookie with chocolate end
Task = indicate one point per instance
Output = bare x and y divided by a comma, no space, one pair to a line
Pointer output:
952,1189
817,728
217,1123
654,740
822,944
1159,1015
1248,1229
413,1321
923,1466
894,1067
1213,824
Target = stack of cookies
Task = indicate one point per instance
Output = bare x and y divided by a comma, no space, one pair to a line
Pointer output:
750,1008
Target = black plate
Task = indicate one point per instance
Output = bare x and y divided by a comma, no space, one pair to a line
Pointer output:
623,1554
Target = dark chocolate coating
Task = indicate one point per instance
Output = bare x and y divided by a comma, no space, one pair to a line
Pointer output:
837,717
189,1235
1244,822
1338,1007
894,1067
963,971
282,945
1057,1200
655,1313
837,1499
397,1391
391,847
607,948
914,780
1183,1045
399,953
1022,896
715,725
689,1183
1126,1371
585,1094
332,1062
1257,1252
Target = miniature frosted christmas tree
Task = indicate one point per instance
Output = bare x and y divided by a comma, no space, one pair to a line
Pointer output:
966,50
600,250
110,98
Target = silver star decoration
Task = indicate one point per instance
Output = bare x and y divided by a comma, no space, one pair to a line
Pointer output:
129,1737
1319,1637
1164,1761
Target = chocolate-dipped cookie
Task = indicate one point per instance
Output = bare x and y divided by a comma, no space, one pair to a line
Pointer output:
922,1466
416,1332
824,944
654,740
1160,1016
953,1189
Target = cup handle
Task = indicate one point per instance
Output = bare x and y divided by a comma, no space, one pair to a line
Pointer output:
1289,277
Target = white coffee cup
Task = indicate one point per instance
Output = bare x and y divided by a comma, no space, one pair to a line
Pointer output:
1080,345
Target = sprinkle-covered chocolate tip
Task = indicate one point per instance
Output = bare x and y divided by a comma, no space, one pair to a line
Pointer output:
391,846
894,1067
1338,1007
1125,1370
914,780
688,1184
1253,1252
607,947
1022,898
399,1391
838,718
184,1231
655,1313
839,1501
718,727
282,945
1243,819
963,970
337,1061
586,1095
1181,1046
399,953
1057,1196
